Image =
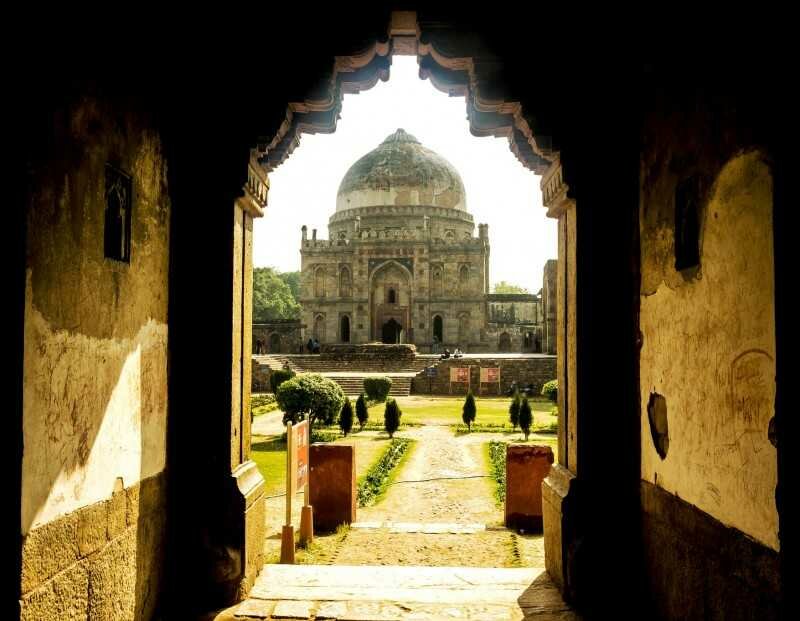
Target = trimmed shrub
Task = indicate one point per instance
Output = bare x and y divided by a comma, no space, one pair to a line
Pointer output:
468,411
513,409
346,417
391,417
550,390
278,377
311,396
362,412
525,417
377,387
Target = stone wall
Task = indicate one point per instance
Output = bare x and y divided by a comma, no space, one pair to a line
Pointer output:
528,370
709,465
95,372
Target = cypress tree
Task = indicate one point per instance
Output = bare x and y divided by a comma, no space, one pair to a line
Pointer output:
468,411
513,410
525,417
346,417
362,414
391,417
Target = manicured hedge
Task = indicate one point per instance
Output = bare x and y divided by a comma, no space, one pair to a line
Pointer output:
550,390
377,387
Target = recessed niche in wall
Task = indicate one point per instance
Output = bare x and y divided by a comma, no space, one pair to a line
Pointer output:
687,224
119,205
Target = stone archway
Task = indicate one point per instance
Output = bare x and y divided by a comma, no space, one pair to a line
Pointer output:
391,332
504,342
274,343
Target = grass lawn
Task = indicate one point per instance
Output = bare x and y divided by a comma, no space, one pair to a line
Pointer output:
270,457
440,410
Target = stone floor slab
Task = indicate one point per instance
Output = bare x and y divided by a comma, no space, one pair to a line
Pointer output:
288,609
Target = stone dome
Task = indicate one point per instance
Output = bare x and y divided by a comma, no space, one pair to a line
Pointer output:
401,172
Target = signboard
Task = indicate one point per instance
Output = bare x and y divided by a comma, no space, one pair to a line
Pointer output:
300,445
459,374
490,375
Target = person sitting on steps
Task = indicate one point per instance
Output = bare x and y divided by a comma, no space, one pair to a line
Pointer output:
445,355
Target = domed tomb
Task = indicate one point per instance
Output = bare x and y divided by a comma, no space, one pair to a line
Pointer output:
401,172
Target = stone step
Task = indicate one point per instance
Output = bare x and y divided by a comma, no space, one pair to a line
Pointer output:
392,593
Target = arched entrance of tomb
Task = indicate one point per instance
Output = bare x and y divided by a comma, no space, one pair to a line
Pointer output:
390,286
344,329
504,342
391,332
274,343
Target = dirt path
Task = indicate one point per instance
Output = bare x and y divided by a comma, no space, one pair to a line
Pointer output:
438,454
449,498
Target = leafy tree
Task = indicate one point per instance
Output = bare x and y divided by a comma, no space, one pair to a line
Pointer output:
279,376
293,280
525,417
507,287
311,396
346,417
272,297
391,417
513,409
362,413
550,390
468,411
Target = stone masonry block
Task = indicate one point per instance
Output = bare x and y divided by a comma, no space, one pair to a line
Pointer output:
332,485
526,467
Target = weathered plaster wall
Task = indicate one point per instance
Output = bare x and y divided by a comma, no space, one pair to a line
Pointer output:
95,370
709,349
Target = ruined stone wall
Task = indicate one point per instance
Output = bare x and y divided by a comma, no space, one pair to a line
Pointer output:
707,367
95,374
523,371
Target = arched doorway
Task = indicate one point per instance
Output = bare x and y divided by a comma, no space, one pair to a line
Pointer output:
438,329
274,343
391,332
504,342
319,328
344,329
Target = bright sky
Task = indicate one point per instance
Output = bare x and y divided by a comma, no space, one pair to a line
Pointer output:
500,191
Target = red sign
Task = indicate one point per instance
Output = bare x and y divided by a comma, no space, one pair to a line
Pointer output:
300,442
459,374
490,375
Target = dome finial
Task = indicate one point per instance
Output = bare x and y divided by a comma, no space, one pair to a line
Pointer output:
400,135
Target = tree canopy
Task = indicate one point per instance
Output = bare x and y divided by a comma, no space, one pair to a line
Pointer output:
507,287
273,296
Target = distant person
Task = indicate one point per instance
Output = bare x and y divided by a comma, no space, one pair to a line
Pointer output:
310,346
458,353
316,346
445,355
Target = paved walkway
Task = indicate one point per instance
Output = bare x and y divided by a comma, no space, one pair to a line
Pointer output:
401,594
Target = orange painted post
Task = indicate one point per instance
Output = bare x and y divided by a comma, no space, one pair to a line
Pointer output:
287,533
307,514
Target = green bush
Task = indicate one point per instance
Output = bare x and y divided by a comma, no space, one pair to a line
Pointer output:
362,413
525,417
278,377
391,417
375,481
468,411
377,387
550,390
513,409
497,465
346,417
311,396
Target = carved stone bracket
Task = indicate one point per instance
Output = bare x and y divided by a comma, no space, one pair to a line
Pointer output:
489,111
555,193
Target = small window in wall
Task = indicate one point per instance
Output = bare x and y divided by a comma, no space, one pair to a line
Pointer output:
687,224
119,203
